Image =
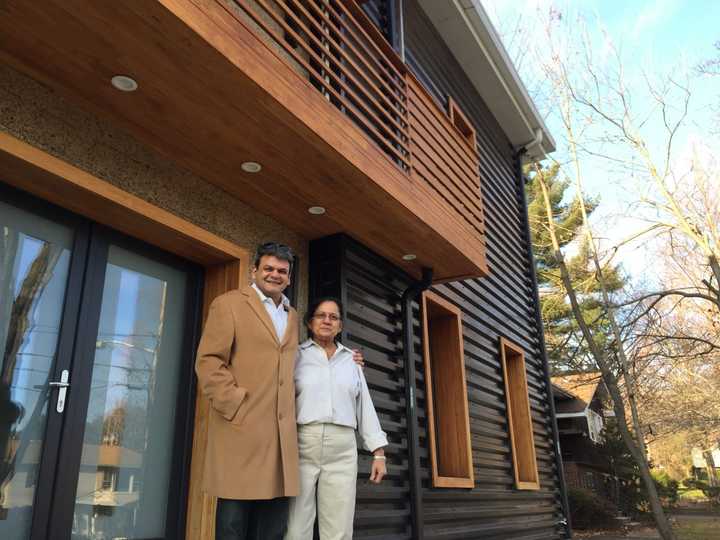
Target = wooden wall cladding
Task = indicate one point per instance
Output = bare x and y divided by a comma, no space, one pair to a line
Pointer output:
444,158
446,394
200,525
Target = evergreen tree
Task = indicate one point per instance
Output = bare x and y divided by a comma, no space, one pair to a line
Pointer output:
566,349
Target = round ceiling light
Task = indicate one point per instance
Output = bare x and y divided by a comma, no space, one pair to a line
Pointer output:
409,257
124,83
316,210
251,167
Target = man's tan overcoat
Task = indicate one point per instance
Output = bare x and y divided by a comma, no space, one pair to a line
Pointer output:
247,373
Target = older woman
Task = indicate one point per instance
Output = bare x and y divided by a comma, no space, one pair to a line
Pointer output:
332,402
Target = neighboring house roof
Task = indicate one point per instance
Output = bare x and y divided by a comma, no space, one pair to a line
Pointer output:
466,29
580,387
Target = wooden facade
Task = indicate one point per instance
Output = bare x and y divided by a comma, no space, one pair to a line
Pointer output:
358,107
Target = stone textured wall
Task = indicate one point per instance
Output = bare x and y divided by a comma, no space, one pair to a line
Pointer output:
41,117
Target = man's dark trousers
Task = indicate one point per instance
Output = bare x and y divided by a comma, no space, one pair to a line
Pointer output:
251,520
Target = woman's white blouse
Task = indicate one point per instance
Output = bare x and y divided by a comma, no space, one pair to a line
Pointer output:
335,392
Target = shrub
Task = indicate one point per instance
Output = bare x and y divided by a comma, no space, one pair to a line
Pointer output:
667,487
712,493
589,511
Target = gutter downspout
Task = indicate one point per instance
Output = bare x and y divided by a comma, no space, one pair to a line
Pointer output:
416,521
541,338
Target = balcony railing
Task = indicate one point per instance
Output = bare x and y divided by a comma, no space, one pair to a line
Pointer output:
337,48
332,44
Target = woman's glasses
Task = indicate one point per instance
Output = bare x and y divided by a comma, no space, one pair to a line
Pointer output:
334,317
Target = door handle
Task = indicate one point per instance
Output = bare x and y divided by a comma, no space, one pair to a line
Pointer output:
63,384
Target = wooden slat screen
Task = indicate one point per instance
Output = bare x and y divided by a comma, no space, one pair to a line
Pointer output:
334,45
444,158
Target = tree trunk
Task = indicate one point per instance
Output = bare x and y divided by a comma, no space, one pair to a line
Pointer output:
635,447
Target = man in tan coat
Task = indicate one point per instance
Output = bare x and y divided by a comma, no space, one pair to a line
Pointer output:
245,366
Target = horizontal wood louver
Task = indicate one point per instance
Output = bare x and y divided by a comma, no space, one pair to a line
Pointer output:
445,159
446,394
519,418
335,46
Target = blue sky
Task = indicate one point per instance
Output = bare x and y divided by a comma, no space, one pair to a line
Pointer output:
666,36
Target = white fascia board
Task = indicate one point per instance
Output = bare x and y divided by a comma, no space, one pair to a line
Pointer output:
470,36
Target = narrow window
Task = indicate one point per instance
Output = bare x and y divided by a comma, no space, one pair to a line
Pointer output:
518,416
446,394
461,122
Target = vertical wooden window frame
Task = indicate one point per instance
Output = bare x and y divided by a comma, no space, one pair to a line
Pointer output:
446,394
461,123
519,418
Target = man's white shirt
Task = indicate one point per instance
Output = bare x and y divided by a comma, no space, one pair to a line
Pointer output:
278,314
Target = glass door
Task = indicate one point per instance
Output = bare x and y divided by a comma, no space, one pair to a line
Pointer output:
96,389
41,261
126,478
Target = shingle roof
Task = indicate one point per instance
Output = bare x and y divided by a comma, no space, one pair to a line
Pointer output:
582,388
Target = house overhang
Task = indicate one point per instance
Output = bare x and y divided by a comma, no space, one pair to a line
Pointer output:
469,34
214,93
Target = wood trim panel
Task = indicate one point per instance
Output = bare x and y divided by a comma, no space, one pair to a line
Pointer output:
461,123
201,506
35,171
519,417
446,394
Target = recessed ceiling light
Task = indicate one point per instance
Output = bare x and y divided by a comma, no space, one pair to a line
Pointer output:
409,257
316,210
251,166
124,83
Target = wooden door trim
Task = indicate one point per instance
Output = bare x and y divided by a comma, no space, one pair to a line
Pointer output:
35,171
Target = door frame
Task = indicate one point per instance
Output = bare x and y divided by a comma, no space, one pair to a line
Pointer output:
226,265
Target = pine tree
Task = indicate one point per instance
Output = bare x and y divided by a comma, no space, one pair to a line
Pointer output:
566,350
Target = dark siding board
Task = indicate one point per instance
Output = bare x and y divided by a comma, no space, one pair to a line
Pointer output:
501,304
372,304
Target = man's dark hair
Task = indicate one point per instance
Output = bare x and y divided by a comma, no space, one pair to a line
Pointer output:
312,308
281,251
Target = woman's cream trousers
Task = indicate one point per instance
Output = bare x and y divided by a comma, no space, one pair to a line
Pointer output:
328,471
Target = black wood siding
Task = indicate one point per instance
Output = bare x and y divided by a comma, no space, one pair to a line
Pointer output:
501,305
371,290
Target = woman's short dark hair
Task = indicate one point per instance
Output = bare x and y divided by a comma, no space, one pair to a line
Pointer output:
314,305
280,251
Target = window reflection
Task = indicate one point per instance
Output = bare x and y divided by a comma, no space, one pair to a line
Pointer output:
34,264
124,477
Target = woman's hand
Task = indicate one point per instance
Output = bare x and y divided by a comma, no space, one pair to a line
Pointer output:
358,358
378,469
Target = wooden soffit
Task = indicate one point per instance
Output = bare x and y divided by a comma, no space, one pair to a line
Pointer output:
211,96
